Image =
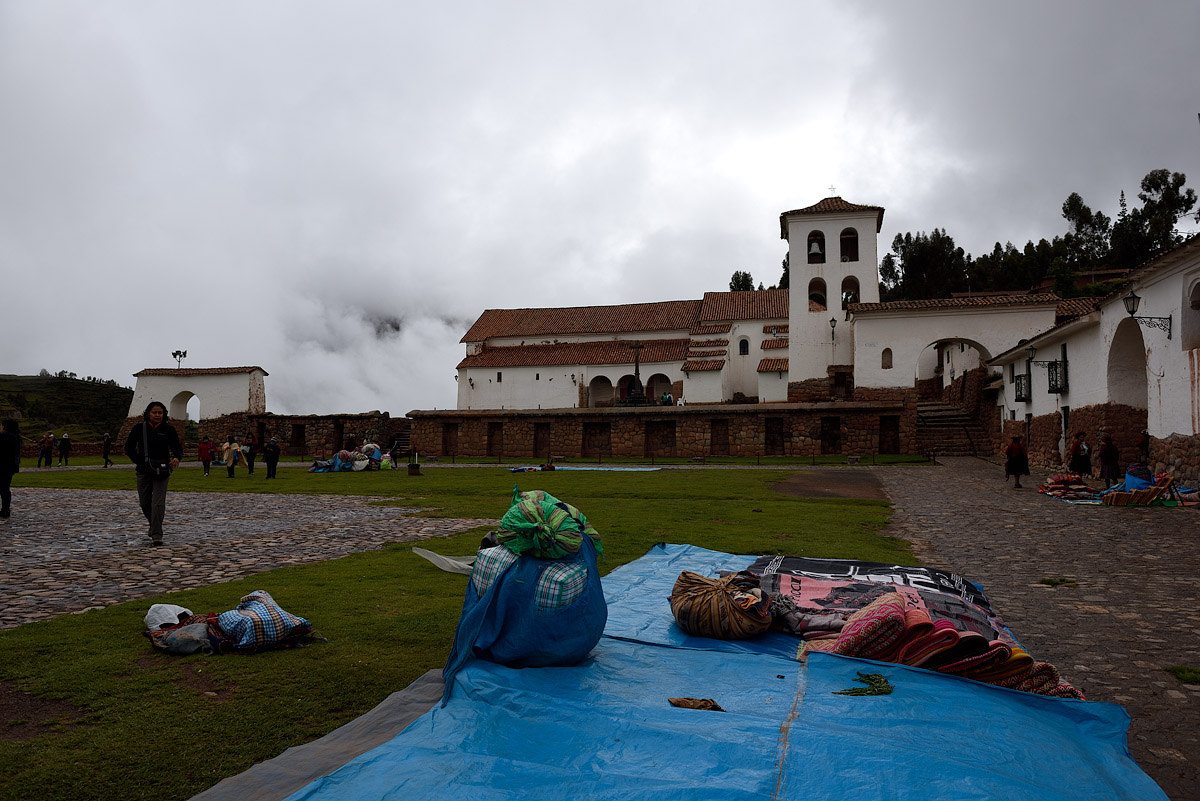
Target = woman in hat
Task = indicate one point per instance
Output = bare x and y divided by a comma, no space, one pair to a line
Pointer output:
1081,456
1110,460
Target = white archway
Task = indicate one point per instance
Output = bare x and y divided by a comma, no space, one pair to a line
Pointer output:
1126,379
600,391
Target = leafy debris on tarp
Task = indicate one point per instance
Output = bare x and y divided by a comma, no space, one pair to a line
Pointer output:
876,685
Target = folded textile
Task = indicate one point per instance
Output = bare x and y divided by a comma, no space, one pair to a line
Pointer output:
916,652
259,623
997,653
969,645
873,632
1019,660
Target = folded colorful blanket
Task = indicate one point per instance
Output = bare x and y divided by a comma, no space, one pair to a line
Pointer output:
873,632
941,636
259,623
996,653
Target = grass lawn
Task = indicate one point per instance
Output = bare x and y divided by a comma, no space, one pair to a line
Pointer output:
139,725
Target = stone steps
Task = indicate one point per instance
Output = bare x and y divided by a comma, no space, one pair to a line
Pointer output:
948,431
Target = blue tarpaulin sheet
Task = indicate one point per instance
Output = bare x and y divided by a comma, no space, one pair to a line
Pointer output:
604,729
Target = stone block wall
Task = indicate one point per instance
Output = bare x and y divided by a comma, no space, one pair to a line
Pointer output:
1124,423
1178,456
666,431
1042,440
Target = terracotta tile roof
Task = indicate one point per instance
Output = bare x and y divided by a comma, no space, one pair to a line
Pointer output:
703,365
774,344
710,328
775,329
191,371
669,315
763,304
606,352
813,306
710,343
830,205
953,303
773,365
1074,307
700,354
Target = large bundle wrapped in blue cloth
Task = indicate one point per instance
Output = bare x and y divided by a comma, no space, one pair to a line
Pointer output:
524,611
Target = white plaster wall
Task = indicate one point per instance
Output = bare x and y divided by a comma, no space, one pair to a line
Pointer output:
741,372
219,394
703,387
908,334
772,388
519,387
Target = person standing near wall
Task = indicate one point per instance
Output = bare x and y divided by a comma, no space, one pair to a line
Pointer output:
64,450
107,449
10,463
153,446
1016,462
271,456
1110,461
1081,456
1143,447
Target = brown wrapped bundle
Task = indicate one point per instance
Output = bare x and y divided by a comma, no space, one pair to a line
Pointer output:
730,608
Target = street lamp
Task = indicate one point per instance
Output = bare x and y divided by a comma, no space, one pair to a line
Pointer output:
1132,301
832,327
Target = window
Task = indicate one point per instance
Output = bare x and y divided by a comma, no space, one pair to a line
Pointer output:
849,290
537,376
849,244
1022,393
816,248
499,376
816,294
1012,372
886,360
743,347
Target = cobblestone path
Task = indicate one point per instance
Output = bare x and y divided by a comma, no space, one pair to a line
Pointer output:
71,550
1134,609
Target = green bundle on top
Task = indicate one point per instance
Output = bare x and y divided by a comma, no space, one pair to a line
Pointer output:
541,525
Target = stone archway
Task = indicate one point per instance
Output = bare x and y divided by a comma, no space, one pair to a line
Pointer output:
656,385
1126,377
942,361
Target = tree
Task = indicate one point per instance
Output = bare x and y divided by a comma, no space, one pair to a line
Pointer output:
1164,201
1087,236
783,280
741,282
923,266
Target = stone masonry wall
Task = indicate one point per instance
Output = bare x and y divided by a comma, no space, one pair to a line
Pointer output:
627,431
1042,441
1124,423
1179,457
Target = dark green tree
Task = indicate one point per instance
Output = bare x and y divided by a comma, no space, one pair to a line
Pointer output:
741,282
923,266
783,279
1087,236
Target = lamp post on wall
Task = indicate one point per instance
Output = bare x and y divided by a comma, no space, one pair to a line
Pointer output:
1132,302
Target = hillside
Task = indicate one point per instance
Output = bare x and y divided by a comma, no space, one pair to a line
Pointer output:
86,409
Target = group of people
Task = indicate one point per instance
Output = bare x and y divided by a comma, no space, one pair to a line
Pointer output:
234,453
1016,458
46,450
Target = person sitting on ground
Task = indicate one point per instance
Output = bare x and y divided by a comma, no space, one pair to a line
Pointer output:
1016,462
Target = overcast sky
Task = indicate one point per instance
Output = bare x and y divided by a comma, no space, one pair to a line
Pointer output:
334,191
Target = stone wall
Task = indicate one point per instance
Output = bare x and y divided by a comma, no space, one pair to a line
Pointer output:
1179,457
1124,423
1042,440
748,430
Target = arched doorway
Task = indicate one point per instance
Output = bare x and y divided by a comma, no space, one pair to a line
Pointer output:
623,385
1126,378
941,362
656,385
600,392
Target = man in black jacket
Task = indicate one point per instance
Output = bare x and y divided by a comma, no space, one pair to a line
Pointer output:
153,446
10,462
271,456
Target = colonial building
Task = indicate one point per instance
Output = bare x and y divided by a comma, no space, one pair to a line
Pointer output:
822,368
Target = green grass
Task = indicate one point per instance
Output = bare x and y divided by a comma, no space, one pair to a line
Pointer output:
147,730
1058,582
1187,675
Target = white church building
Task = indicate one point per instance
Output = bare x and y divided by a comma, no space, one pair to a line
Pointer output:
827,349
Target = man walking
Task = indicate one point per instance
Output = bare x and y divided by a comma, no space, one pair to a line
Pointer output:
46,449
153,446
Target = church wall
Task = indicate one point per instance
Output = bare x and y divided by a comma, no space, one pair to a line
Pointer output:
772,387
219,393
704,387
518,387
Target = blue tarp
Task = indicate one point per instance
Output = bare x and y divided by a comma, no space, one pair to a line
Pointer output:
604,729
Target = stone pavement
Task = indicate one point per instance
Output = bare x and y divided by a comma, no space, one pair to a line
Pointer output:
1132,612
73,550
